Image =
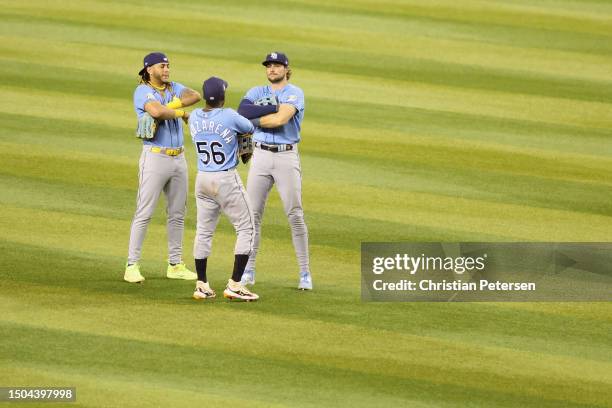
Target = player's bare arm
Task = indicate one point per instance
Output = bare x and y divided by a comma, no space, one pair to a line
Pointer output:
161,112
280,118
189,97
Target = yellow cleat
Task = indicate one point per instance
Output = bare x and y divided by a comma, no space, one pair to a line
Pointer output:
180,271
132,274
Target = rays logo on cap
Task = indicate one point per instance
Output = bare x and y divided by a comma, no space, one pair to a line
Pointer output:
274,55
152,59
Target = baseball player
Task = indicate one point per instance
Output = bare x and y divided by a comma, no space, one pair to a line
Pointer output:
277,111
218,187
158,102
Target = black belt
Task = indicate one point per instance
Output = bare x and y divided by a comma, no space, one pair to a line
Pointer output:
274,148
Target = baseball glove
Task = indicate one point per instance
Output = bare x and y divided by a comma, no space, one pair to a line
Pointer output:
245,147
146,127
267,100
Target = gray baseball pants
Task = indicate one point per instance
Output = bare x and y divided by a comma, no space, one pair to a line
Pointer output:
217,192
282,169
159,172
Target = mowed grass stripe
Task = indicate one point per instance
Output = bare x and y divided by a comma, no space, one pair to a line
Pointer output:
412,118
540,39
330,228
405,125
400,125
165,387
410,155
485,189
514,68
322,345
489,13
590,112
98,236
416,126
316,198
422,52
550,329
378,41
317,14
464,76
440,73
451,214
386,362
416,69
549,110
580,325
522,222
413,153
327,230
96,390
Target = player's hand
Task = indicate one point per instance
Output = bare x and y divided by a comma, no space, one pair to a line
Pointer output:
186,117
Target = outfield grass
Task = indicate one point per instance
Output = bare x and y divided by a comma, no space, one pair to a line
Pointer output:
425,121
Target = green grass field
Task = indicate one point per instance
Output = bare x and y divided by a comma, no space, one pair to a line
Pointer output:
425,121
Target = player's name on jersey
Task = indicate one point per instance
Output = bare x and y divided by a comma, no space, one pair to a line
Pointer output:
210,126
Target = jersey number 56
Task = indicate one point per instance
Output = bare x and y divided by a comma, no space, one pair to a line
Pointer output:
218,157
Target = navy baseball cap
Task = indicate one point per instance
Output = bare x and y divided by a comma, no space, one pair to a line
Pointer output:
152,59
277,57
214,89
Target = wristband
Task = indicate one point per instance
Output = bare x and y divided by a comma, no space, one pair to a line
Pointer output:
179,113
175,103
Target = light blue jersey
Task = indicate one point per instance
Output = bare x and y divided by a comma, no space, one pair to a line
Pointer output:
290,132
169,132
214,135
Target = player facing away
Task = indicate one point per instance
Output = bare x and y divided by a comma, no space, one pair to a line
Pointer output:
218,188
277,111
162,166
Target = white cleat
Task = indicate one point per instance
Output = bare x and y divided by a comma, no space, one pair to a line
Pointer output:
203,291
248,278
236,290
305,281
